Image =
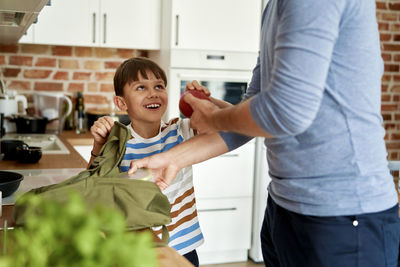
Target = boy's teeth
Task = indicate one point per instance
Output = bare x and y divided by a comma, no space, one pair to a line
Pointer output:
153,106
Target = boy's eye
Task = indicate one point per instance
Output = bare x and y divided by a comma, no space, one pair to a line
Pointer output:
160,87
140,88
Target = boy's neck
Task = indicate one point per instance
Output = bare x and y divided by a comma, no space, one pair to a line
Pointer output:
146,130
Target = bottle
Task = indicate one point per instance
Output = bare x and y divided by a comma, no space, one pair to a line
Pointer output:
79,114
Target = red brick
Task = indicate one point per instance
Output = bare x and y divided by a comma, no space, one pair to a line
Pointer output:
61,75
8,48
384,88
106,87
34,49
81,75
383,26
105,76
381,5
2,60
92,65
62,50
395,27
395,136
104,52
385,98
391,47
389,16
76,87
394,6
396,37
396,57
83,51
92,87
68,64
112,64
19,85
389,107
394,156
396,117
21,60
387,117
395,88
389,126
48,86
392,67
37,74
392,145
125,53
95,99
386,78
46,62
396,78
142,53
385,36
396,98
11,72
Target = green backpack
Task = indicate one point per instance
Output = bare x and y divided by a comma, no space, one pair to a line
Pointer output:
142,202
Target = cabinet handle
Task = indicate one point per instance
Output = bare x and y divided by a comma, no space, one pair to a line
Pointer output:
177,30
212,210
105,28
94,27
215,57
230,155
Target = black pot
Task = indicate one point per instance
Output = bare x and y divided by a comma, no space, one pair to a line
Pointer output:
9,182
29,154
30,124
9,148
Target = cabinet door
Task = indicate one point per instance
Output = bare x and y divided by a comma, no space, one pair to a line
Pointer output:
71,22
227,25
130,24
229,175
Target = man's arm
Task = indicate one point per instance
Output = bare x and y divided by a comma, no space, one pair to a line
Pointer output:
165,166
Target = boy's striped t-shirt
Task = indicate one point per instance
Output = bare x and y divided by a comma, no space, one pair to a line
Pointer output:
184,230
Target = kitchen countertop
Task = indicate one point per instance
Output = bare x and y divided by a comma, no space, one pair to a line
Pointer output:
50,161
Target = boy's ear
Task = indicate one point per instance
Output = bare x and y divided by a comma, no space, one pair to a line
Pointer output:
120,103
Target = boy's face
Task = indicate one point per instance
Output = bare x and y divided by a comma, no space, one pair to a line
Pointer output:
145,100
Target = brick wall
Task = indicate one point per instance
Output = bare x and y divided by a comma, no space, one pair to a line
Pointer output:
27,68
388,16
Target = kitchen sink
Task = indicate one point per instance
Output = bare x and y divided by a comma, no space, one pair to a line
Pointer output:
49,143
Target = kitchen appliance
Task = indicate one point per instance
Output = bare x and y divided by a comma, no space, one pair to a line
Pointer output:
11,103
9,182
261,182
53,106
30,124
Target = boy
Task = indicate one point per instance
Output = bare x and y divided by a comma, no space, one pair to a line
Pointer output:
140,88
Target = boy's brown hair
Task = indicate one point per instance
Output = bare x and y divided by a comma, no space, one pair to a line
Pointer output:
128,71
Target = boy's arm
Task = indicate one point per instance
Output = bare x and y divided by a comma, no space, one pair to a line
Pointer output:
165,166
100,131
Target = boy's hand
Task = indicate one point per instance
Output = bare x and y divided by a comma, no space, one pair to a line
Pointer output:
101,129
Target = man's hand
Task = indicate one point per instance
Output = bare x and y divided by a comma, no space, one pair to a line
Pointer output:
162,169
202,117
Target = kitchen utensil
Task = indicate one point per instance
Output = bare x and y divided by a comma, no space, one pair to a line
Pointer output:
29,154
9,148
9,182
53,106
30,124
10,104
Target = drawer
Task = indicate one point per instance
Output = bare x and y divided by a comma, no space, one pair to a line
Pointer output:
225,223
229,175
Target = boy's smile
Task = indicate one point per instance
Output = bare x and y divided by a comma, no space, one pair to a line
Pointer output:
145,101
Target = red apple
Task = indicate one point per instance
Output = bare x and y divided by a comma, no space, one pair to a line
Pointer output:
185,108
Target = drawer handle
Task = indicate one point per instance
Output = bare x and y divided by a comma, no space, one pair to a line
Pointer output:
216,57
230,155
212,210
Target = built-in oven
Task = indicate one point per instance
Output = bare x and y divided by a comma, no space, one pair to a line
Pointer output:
226,85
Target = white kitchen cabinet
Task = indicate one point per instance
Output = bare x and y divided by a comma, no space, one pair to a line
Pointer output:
222,25
120,23
226,224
